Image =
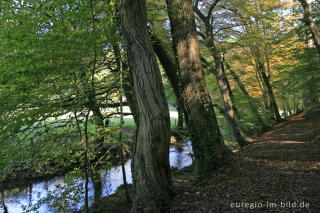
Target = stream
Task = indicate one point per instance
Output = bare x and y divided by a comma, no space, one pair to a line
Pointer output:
65,194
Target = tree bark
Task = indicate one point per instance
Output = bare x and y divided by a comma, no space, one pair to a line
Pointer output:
171,70
150,165
207,141
308,20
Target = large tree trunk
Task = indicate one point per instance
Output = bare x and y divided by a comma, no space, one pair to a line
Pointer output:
207,142
310,23
150,170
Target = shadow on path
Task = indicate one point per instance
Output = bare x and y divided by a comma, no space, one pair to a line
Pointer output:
279,172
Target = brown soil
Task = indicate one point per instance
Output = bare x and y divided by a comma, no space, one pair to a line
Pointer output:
280,166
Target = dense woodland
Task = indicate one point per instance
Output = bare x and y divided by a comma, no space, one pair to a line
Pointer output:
230,69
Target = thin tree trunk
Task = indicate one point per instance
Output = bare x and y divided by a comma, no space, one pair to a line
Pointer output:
86,160
120,135
86,164
207,141
99,124
273,102
244,91
298,98
97,185
128,84
262,89
150,165
294,103
228,106
180,119
310,23
236,111
228,110
287,106
223,83
262,71
129,93
93,106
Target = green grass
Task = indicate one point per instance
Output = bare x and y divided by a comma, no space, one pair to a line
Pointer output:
116,122
130,122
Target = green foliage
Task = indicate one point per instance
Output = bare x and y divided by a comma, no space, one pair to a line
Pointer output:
57,62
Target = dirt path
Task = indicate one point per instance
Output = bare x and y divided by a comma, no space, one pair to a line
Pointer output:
279,172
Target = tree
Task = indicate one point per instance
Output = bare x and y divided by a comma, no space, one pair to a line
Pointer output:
150,169
63,62
218,71
59,53
255,18
308,20
207,141
171,71
252,107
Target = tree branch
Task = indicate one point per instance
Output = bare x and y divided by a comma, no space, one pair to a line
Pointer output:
211,8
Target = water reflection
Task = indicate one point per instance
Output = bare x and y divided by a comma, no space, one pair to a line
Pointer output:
62,195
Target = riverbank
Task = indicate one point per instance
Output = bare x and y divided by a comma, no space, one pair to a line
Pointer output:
278,172
25,176
28,176
66,193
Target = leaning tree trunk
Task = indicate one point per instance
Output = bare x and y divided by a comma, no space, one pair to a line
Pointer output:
150,170
207,141
229,112
310,23
225,95
272,98
266,80
244,91
171,70
236,110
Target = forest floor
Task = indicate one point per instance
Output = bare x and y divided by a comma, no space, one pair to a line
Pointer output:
278,172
